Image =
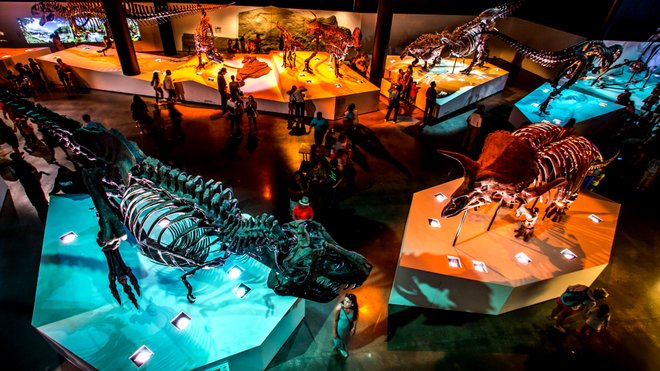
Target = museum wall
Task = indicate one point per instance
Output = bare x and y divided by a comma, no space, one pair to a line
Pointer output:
225,21
228,23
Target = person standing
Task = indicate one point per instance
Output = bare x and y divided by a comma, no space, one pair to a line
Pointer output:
320,125
599,319
303,210
299,98
168,84
292,104
235,88
89,124
575,298
473,127
251,113
222,89
345,324
431,97
298,186
155,83
29,179
395,102
235,108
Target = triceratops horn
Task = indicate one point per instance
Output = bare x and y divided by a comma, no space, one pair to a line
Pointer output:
469,165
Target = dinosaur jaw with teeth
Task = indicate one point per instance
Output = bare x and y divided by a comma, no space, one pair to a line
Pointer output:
322,289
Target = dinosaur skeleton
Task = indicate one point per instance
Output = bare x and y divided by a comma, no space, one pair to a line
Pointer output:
581,58
462,41
289,47
640,66
180,220
516,168
205,41
337,41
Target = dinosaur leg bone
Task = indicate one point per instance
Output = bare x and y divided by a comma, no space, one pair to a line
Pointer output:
119,271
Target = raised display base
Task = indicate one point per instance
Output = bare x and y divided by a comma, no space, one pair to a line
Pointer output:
75,311
425,278
592,115
11,56
455,90
615,81
325,93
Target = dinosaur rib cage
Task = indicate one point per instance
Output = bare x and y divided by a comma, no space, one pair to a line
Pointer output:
170,231
557,156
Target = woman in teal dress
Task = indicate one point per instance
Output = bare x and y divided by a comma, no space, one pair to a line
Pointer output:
346,317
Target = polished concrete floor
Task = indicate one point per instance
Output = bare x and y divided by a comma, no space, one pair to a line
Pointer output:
370,221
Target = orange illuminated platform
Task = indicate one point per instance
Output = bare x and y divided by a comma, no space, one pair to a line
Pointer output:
455,90
11,56
325,93
488,271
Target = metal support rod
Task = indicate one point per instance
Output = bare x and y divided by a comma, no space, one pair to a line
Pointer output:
495,215
534,204
458,231
454,66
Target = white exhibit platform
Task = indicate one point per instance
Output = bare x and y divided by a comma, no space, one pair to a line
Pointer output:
11,56
592,114
426,278
325,93
76,313
455,90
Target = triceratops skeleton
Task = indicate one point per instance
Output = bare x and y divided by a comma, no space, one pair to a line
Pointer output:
462,41
516,168
182,221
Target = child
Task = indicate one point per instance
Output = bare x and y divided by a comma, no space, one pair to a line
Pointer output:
599,319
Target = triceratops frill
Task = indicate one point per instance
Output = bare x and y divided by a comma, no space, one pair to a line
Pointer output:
517,167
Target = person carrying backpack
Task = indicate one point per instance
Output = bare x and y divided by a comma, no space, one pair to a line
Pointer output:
575,298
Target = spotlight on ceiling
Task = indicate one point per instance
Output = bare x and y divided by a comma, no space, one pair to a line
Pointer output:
440,197
241,290
181,321
235,272
141,356
337,85
434,223
568,254
522,258
68,237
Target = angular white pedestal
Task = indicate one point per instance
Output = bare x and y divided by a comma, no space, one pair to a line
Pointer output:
424,277
76,313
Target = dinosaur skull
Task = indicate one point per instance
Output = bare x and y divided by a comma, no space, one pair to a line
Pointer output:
316,267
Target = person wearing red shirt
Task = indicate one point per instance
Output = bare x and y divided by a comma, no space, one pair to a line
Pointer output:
303,211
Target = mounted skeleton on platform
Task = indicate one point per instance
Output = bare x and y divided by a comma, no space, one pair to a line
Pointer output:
584,57
182,221
337,41
289,47
516,168
462,41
